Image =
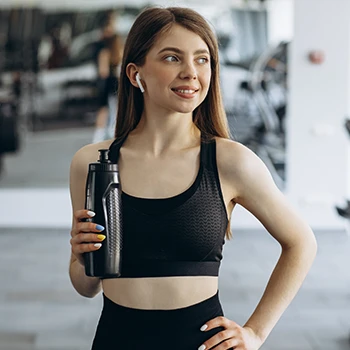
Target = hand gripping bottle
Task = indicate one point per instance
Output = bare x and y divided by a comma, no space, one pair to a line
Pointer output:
103,196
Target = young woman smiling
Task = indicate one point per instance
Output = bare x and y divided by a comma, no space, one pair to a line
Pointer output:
181,177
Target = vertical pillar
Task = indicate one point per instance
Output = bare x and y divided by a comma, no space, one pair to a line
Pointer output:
280,20
317,144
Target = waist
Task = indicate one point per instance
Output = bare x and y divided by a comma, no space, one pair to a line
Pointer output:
156,268
164,293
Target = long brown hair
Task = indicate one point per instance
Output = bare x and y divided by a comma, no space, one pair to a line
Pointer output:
209,116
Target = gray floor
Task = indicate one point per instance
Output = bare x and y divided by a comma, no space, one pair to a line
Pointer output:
40,310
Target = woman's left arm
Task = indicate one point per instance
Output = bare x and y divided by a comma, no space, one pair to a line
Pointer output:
258,193
255,190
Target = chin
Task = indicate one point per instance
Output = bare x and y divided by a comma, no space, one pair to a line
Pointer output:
185,109
189,111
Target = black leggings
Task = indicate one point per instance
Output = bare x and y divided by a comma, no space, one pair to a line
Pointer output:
123,328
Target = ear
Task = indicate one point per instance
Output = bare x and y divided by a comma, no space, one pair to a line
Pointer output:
131,71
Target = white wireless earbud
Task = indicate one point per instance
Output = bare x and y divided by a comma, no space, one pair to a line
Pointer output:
138,80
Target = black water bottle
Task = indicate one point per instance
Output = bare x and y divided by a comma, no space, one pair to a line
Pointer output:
103,196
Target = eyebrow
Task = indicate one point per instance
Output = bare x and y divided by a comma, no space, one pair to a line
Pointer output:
177,50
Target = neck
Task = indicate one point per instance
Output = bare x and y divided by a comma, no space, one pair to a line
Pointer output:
158,134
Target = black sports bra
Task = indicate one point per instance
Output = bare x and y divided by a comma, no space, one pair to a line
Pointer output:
177,236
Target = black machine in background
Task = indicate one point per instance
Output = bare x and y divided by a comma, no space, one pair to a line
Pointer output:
21,31
344,211
54,51
9,131
257,117
254,83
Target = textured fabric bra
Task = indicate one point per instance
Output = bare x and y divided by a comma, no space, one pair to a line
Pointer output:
178,236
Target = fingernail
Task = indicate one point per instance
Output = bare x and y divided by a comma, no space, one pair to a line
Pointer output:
101,237
202,347
203,328
91,213
97,245
99,227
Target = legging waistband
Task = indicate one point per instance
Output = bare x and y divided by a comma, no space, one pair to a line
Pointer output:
187,314
127,328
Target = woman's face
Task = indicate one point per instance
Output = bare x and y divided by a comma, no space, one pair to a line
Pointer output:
176,74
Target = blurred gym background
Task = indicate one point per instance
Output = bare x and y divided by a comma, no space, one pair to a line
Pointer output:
285,80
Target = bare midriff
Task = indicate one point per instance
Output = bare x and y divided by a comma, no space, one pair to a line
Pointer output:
163,293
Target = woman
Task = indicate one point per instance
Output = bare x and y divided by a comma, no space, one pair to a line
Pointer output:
108,57
181,177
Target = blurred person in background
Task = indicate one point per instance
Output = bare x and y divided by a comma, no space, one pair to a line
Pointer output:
108,55
59,49
181,177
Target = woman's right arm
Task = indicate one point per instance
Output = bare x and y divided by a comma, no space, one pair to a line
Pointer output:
84,234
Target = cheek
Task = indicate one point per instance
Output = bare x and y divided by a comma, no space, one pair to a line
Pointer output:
166,76
206,81
161,79
206,75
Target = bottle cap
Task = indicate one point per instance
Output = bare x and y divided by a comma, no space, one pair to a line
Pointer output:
104,156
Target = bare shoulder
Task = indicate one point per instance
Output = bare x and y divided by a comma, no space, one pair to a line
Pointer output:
81,160
228,150
241,167
79,170
237,159
88,154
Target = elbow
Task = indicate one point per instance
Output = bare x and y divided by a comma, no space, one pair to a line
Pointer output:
310,245
314,248
87,288
87,292
308,251
305,247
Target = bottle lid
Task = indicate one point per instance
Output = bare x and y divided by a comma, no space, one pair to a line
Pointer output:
103,163
104,156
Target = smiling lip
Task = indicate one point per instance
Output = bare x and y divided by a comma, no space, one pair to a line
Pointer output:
185,91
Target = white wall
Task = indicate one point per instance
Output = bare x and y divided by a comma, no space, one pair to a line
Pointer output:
36,207
317,168
280,20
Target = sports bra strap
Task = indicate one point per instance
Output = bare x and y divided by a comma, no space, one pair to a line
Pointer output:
208,154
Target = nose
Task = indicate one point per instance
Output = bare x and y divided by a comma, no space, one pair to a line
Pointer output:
188,71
